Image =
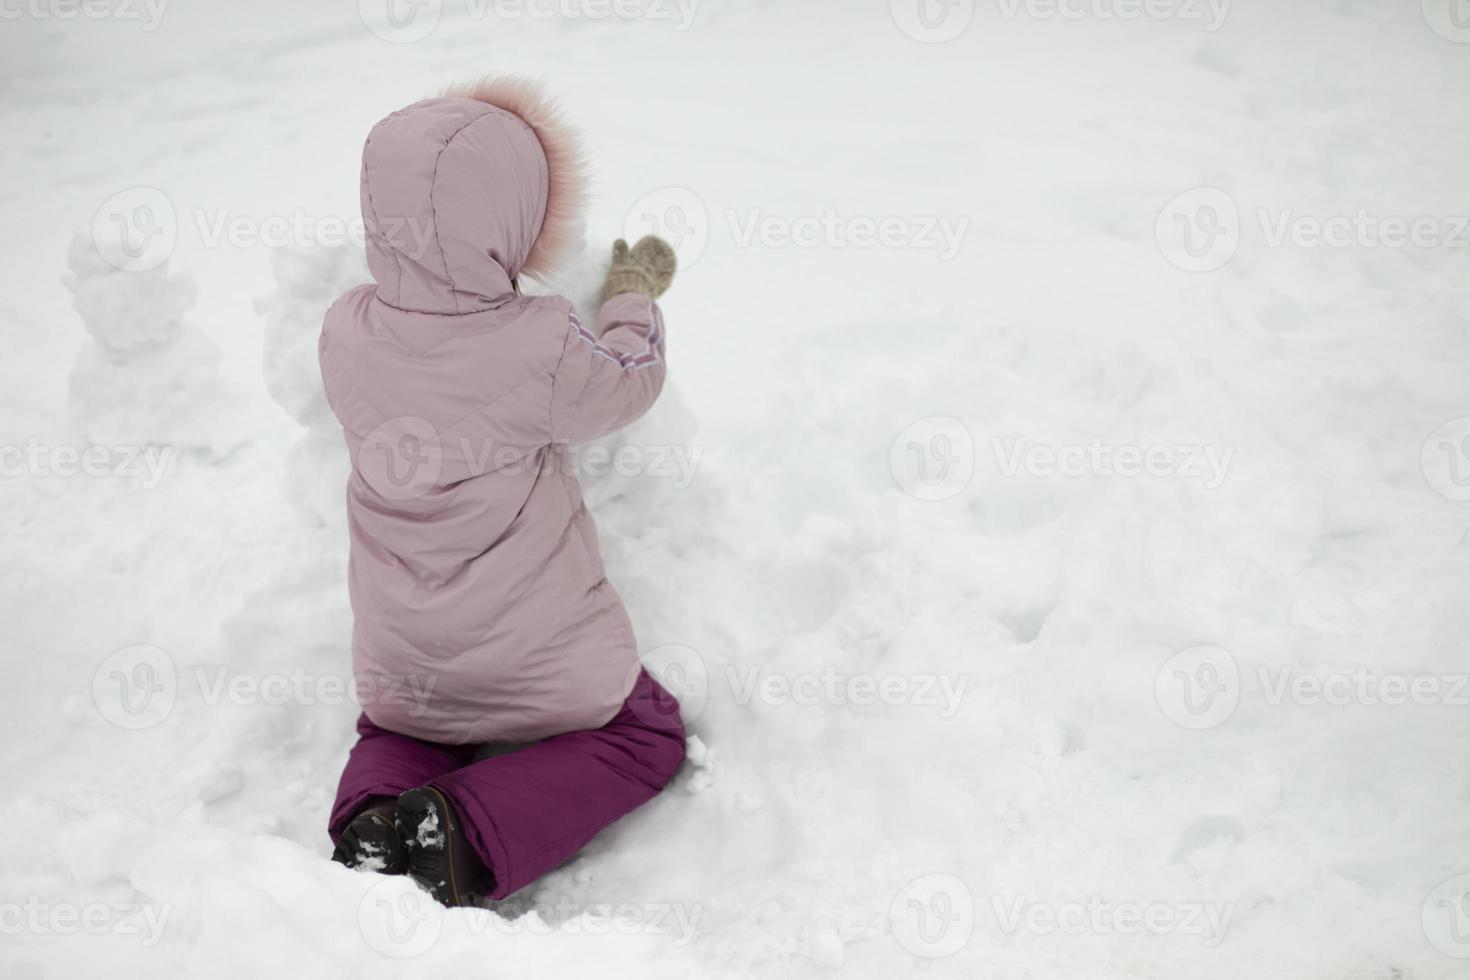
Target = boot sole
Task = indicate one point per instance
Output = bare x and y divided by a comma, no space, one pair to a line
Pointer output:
371,843
423,825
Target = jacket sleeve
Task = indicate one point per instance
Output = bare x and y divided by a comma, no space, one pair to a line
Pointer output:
603,383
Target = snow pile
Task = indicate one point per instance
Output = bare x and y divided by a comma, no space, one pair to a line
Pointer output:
148,378
308,281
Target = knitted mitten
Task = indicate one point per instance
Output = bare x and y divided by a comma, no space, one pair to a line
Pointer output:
647,268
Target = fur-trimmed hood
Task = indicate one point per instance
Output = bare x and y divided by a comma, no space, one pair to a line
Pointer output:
464,192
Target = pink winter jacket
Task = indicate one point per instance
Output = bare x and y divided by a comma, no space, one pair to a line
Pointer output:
482,611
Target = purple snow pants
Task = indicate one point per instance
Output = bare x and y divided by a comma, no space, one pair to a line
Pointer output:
529,810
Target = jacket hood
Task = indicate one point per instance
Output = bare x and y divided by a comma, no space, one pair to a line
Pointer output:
464,192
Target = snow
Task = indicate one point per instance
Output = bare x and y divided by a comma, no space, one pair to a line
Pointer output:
147,379
971,692
429,834
371,857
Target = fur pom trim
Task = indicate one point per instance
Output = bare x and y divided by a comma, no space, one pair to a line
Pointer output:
566,162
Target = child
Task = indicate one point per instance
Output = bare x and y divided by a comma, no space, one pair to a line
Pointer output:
482,614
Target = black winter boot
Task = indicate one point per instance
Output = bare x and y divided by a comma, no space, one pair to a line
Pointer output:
370,842
440,858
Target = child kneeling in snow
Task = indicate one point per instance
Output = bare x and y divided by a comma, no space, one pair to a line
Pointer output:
482,614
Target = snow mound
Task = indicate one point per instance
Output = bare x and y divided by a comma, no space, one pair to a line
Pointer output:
147,377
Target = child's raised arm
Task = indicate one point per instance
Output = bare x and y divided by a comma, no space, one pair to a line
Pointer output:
609,378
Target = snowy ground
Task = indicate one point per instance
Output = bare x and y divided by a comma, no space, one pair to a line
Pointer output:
1068,583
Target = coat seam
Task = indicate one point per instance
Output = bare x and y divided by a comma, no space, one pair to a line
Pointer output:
367,184
555,375
434,211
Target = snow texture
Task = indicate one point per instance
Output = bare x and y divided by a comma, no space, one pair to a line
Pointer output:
147,378
954,711
429,834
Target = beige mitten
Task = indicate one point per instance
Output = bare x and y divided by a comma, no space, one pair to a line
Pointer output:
646,268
